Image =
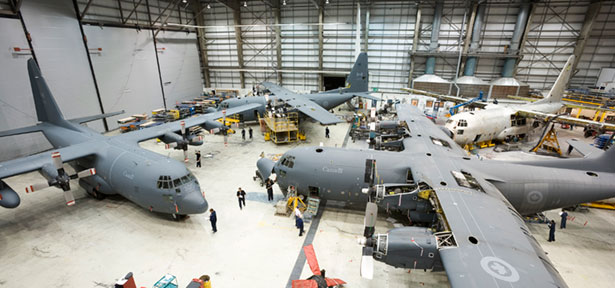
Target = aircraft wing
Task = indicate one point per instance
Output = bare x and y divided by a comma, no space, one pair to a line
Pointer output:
450,98
36,161
158,131
425,135
494,247
278,90
564,119
313,110
584,148
304,105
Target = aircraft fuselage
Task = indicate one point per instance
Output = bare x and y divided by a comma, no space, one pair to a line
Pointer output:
493,123
340,174
148,179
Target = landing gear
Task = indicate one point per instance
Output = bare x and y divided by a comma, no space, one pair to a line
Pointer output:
96,194
179,217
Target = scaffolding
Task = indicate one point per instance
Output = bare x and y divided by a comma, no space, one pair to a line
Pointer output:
281,129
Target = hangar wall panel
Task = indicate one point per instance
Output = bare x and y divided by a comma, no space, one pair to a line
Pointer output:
126,70
179,66
61,54
16,102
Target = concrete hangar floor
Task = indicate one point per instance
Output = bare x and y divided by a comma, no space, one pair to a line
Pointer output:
94,243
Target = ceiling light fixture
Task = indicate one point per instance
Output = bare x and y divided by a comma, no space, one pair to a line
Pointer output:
184,1
284,2
327,2
245,3
208,6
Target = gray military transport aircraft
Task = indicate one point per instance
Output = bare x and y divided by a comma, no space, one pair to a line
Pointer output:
466,211
314,105
110,165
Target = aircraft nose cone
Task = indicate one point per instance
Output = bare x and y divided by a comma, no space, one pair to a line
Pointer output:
193,203
265,167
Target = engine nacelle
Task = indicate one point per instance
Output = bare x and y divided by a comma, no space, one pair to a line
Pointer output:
171,137
95,184
8,196
212,125
408,247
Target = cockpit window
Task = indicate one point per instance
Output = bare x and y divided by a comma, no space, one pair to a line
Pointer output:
288,161
459,131
462,123
177,182
224,105
449,121
164,182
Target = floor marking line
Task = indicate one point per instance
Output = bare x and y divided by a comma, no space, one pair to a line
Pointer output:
309,238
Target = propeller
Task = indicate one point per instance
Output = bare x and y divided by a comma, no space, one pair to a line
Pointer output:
57,177
186,139
318,280
371,213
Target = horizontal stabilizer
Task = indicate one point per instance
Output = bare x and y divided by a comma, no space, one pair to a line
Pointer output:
19,131
366,96
95,117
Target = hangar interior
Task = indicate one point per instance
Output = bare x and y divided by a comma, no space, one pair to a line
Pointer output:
103,56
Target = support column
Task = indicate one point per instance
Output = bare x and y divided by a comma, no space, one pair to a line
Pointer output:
239,41
513,50
468,39
278,43
415,43
357,43
202,42
430,65
321,77
524,39
366,44
470,67
588,23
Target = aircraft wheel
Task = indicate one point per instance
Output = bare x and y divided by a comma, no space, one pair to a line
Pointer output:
96,194
178,217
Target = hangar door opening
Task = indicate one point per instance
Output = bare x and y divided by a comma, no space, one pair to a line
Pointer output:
334,82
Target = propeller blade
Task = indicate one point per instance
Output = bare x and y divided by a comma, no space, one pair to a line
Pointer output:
70,199
86,173
57,160
367,263
170,145
36,187
331,282
371,212
186,155
304,284
195,139
183,129
310,255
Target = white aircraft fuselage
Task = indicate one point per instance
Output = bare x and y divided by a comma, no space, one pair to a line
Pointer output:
494,123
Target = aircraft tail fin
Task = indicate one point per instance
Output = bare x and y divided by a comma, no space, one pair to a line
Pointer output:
358,79
557,91
46,107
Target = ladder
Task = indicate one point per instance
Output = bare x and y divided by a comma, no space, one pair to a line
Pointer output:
313,204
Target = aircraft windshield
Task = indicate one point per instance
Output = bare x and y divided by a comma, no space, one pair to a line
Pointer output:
462,123
288,161
165,182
